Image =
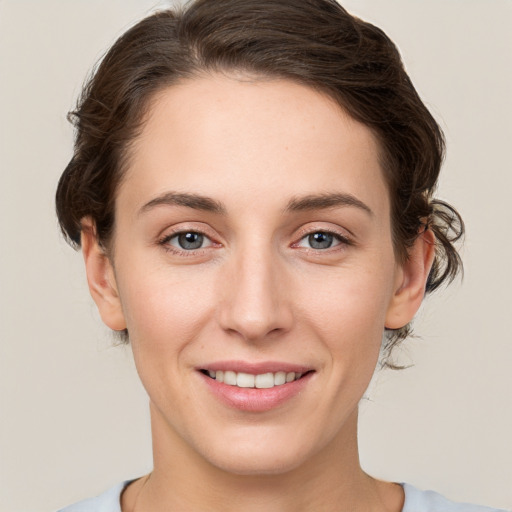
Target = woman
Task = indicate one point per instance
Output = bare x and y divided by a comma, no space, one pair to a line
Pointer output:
252,189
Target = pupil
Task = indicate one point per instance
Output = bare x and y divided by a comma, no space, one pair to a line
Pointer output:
190,240
320,240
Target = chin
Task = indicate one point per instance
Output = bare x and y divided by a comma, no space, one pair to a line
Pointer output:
268,464
258,457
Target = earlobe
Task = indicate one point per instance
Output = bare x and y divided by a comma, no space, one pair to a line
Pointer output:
101,278
411,281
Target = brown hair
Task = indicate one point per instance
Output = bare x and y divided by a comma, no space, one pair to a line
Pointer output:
312,42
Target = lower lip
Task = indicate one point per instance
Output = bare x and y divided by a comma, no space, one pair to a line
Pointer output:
255,399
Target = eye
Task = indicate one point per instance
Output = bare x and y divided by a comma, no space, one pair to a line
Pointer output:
188,240
321,240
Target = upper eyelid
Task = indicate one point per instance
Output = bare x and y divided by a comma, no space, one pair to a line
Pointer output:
168,237
178,233
171,231
341,239
342,233
335,234
172,234
164,243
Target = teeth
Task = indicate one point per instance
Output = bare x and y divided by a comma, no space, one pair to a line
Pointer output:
280,378
265,380
230,378
244,380
247,380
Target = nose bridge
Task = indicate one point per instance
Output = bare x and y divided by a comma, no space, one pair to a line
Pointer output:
255,303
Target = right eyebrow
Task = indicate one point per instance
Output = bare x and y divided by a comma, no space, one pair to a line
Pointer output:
195,201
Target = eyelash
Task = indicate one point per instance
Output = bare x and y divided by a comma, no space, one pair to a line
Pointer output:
164,243
342,239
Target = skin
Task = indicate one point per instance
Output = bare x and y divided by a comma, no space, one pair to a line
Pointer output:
256,291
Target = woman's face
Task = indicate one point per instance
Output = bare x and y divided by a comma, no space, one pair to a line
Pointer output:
253,238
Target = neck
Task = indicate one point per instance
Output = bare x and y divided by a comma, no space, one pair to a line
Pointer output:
332,481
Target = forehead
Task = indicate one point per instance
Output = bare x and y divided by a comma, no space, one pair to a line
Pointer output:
227,137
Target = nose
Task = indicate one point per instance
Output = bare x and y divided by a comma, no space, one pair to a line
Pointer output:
255,300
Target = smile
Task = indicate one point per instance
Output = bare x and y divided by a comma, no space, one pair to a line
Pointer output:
256,386
247,380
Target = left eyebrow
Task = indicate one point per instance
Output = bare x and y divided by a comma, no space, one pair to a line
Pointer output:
325,201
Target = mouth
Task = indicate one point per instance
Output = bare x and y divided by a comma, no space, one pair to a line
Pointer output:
258,381
256,387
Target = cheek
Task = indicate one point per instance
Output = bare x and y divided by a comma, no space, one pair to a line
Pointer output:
350,305
165,310
349,319
165,315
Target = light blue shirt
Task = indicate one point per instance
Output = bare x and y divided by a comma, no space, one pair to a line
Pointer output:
415,501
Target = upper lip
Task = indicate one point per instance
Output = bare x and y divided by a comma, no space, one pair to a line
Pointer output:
255,368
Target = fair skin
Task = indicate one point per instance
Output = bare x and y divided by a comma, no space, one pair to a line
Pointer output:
288,265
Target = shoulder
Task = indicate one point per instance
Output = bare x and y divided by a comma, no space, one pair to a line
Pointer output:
109,501
430,501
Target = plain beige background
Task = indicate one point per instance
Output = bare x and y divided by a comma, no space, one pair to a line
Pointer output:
73,417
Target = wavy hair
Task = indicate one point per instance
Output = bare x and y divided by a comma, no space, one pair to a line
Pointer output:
316,43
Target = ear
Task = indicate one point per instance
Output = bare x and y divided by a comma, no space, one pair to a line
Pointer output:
411,281
101,278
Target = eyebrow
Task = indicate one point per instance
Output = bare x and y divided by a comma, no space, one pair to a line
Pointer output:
195,201
325,201
304,203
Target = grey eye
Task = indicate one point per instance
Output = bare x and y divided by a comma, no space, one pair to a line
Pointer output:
320,240
188,241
